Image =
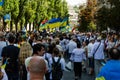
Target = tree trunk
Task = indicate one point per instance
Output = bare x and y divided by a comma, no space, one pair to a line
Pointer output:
33,26
21,24
11,26
4,26
29,26
25,25
38,27
16,26
1,24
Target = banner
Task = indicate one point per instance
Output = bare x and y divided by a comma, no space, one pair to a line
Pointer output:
7,17
54,20
53,23
1,2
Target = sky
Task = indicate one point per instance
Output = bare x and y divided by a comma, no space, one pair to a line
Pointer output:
75,2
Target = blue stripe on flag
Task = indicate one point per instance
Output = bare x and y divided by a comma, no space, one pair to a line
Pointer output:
1,2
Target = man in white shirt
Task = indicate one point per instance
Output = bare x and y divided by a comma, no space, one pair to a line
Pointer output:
98,54
70,46
91,62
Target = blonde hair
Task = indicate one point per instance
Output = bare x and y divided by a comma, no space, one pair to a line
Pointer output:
25,51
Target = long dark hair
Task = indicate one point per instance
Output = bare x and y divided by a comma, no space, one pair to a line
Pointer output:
56,51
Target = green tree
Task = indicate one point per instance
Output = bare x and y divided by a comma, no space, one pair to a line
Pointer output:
40,12
33,11
14,12
103,15
108,15
86,16
64,12
6,7
30,10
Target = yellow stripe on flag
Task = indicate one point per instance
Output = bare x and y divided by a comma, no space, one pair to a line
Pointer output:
100,78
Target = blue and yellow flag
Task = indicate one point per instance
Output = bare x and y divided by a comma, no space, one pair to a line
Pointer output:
64,22
4,65
7,17
54,23
100,78
1,2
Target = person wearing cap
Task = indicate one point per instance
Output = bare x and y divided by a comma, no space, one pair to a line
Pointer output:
98,55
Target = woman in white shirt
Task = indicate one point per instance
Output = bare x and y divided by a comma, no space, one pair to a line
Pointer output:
77,56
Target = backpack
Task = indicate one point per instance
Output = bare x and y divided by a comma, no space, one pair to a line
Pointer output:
56,70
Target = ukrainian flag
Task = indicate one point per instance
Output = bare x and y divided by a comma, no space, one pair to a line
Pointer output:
4,65
100,78
58,22
64,22
43,26
7,17
1,4
0,7
54,23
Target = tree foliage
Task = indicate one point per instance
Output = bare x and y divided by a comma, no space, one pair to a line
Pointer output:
86,17
33,11
109,15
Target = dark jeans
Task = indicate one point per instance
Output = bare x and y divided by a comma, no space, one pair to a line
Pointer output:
78,69
47,76
91,63
12,75
23,73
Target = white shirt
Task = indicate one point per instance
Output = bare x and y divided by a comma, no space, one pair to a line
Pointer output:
48,56
63,44
110,45
90,46
117,43
71,45
99,54
78,55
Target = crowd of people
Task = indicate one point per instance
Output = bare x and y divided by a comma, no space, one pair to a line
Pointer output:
43,56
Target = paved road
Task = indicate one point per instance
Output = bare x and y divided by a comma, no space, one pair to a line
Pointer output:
70,76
